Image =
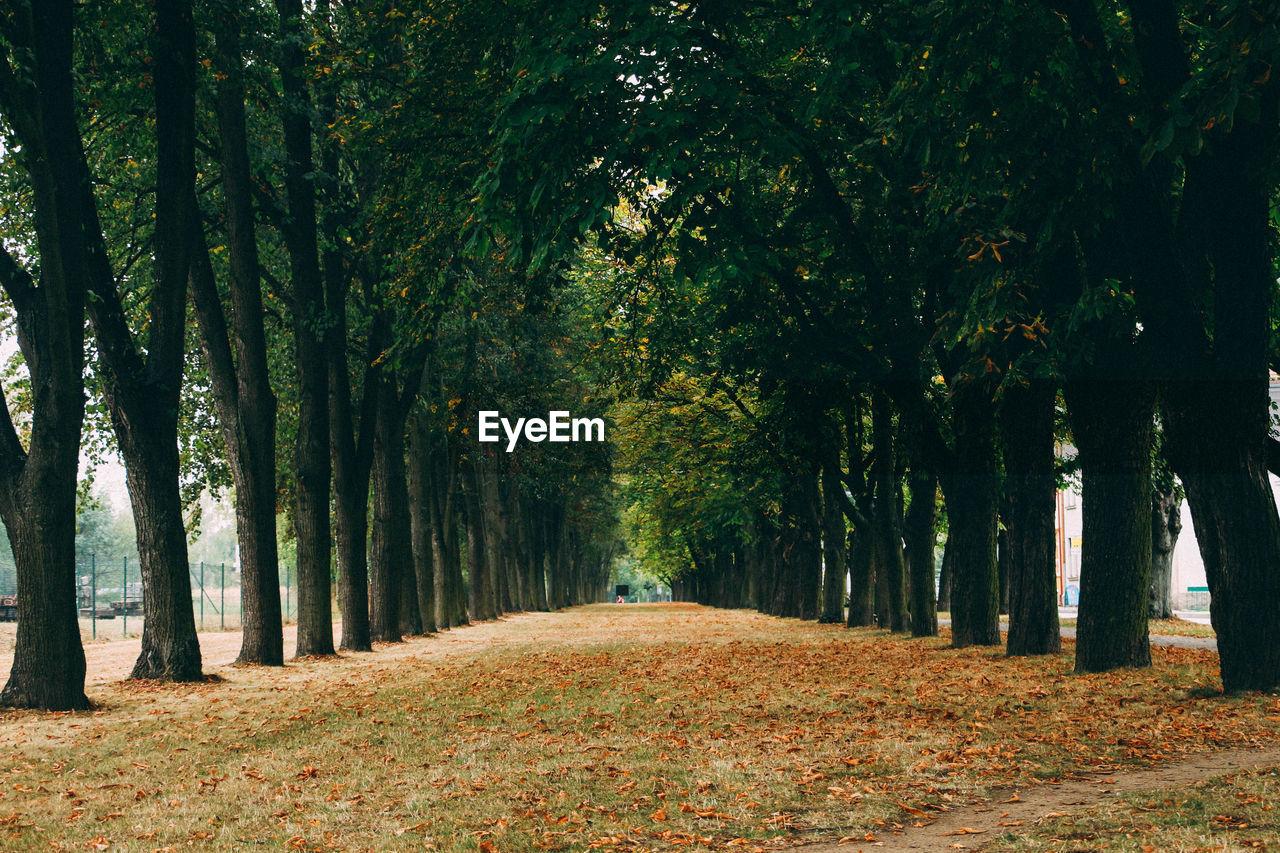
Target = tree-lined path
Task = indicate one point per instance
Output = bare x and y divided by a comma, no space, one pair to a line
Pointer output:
603,726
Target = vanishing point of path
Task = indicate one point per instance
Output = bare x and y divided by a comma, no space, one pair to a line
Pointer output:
614,727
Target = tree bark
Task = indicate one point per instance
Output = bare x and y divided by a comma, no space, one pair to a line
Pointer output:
424,566
972,492
311,449
861,601
241,383
38,484
834,543
1027,418
450,589
1112,422
944,575
801,557
920,531
142,391
1221,461
480,584
1166,525
890,572
390,546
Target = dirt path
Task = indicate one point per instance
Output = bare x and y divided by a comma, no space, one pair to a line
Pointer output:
970,827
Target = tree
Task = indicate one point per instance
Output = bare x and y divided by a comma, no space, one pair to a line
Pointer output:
311,451
236,357
38,487
1166,525
143,375
1027,418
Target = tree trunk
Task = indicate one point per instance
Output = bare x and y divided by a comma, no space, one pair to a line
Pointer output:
972,492
311,449
410,615
1219,458
1027,420
861,603
391,558
142,391
441,501
1002,564
1112,421
538,548
480,584
170,649
944,575
38,484
241,383
834,543
800,559
921,537
1166,524
1206,293
48,662
420,520
890,572
352,464
496,537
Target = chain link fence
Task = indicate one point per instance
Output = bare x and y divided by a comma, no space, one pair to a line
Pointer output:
109,594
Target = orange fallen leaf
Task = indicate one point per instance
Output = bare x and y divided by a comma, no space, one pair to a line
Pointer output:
964,830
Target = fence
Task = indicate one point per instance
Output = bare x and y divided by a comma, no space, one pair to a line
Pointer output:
109,594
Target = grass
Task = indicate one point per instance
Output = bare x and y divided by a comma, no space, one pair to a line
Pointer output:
1240,811
650,725
1164,627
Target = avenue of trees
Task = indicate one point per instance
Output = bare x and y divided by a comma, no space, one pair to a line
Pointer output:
237,230
872,254
842,276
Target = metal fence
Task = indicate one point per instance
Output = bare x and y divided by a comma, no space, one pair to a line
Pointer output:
109,594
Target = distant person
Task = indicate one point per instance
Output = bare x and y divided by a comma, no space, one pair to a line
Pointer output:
619,601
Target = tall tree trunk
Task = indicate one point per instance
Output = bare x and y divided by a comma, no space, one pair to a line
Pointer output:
800,560
920,532
450,591
1166,525
38,484
890,572
410,615
1112,422
480,585
1219,457
241,383
390,556
1003,564
834,543
538,546
944,575
170,648
861,580
311,450
142,391
1205,289
1027,420
495,536
420,520
352,467
973,492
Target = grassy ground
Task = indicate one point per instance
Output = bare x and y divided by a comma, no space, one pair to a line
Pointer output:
1166,627
1233,812
1180,628
650,725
